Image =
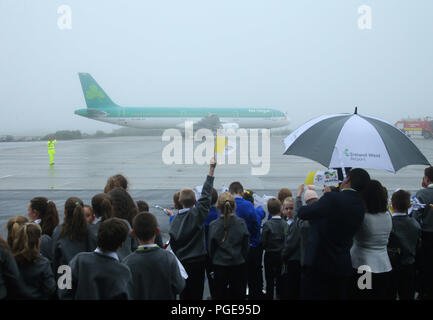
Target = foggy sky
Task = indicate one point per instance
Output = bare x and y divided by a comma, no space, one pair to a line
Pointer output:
304,57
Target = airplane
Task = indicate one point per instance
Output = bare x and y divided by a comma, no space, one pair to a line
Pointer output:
100,107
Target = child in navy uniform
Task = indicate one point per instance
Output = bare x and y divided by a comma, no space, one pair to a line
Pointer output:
187,236
99,275
35,270
124,208
403,242
155,271
73,236
245,210
44,212
272,239
228,250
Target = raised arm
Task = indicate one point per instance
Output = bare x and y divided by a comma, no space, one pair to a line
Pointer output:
316,210
298,202
203,204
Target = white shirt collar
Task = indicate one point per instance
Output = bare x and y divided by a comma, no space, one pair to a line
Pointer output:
276,217
399,214
148,245
183,210
38,221
289,221
348,189
97,220
111,254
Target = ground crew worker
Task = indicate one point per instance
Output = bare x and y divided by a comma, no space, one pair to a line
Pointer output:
51,149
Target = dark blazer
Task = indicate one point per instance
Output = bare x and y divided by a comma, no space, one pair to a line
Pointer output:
96,276
187,235
155,274
38,279
404,240
64,249
9,275
334,220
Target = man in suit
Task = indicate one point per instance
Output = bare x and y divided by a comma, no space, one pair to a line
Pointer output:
425,218
334,220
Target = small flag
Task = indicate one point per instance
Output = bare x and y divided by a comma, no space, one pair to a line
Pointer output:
310,178
224,146
220,144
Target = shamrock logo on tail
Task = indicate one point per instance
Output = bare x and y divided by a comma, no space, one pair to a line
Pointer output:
93,92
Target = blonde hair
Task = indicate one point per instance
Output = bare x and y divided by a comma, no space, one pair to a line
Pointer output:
12,226
25,247
226,204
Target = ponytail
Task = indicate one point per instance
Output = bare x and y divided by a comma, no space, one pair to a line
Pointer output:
47,213
107,209
12,226
50,219
25,247
102,206
226,204
75,224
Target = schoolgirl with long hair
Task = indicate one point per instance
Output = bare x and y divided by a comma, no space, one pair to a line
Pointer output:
228,249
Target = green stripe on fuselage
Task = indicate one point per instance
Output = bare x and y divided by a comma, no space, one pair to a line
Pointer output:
172,112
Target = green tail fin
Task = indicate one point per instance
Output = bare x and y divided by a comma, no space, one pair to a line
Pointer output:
95,96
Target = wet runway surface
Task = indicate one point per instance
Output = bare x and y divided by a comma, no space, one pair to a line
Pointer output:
82,167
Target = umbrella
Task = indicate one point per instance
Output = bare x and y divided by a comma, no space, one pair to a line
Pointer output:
353,140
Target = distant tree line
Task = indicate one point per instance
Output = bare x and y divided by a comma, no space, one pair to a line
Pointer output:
121,132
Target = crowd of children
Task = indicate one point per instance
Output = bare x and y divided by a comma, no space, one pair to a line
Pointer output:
311,246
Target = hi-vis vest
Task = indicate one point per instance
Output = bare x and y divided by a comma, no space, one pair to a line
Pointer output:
51,145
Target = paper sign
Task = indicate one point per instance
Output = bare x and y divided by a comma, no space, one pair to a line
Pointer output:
321,178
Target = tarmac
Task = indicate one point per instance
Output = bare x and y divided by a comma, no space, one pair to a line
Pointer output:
82,168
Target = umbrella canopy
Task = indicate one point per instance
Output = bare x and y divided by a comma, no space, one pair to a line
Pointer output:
353,140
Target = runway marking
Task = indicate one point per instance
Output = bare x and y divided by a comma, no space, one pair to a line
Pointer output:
6,176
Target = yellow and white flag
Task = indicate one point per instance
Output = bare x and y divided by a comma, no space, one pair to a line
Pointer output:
223,146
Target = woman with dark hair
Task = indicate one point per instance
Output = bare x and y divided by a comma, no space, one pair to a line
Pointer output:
44,212
124,208
73,236
370,243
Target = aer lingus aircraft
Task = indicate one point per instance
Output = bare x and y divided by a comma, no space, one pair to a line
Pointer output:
100,107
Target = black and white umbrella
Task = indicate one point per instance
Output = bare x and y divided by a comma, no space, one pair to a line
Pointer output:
353,140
